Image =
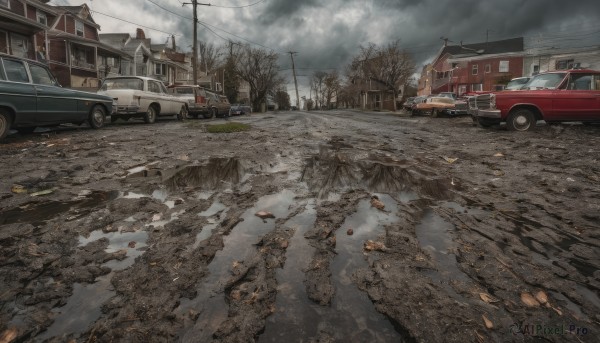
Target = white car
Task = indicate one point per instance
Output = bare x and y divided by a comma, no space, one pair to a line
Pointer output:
142,97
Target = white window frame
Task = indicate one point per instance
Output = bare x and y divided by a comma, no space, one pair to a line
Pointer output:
488,68
476,87
5,3
163,68
503,67
41,15
475,69
81,28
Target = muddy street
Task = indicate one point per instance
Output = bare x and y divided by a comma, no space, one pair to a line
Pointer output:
336,226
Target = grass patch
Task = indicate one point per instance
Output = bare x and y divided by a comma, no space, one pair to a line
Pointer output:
227,127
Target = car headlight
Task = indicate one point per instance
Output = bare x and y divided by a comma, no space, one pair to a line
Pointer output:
493,101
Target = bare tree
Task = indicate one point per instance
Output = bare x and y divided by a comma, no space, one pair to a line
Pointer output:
210,56
317,84
331,87
259,68
390,65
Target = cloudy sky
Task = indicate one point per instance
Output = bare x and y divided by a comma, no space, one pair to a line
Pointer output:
327,33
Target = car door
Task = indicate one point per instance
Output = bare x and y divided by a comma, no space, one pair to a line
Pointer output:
577,100
172,101
17,92
54,104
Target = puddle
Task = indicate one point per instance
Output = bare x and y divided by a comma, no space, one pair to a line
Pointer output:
215,208
352,313
218,173
82,309
336,171
238,245
159,194
84,306
294,313
34,212
433,233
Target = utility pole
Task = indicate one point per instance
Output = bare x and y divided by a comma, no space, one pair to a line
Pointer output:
295,81
195,46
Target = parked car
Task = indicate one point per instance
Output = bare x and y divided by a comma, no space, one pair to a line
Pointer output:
196,97
516,83
448,95
407,105
32,97
142,97
218,104
417,100
239,109
436,106
569,95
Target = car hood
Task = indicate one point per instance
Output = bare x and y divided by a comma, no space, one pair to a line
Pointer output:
84,94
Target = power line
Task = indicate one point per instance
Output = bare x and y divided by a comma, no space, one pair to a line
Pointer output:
130,22
244,6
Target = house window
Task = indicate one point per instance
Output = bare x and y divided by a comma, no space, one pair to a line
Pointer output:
79,28
474,69
564,64
488,68
159,69
536,70
462,89
503,67
499,87
476,87
83,56
41,18
454,65
5,3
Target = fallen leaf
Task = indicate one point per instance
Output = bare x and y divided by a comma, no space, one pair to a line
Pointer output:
350,232
8,335
183,157
156,217
450,159
284,244
480,338
264,214
18,189
44,192
498,154
488,298
372,245
131,244
541,297
377,204
529,300
498,173
488,323
49,145
557,310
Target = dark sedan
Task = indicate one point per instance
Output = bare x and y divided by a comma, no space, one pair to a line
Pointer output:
30,96
239,109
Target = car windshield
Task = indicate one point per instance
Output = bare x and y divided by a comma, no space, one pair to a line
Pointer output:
123,83
184,90
517,83
545,81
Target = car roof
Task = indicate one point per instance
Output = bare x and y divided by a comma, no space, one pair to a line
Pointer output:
2,54
132,77
572,71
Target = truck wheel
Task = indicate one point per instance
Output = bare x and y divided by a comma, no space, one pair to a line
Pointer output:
182,115
97,117
5,122
150,116
521,120
483,122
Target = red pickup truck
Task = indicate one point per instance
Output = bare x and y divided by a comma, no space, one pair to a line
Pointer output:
566,95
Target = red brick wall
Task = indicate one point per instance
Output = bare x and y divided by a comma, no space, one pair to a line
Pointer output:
90,32
58,51
17,7
70,25
31,13
61,24
62,74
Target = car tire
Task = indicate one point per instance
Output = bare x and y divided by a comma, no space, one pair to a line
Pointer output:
521,120
97,117
150,116
483,122
182,115
195,116
5,122
208,114
435,113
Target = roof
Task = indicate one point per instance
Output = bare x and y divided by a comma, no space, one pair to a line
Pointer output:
82,12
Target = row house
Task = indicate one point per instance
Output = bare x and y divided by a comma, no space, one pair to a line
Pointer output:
539,61
64,37
153,60
474,67
374,94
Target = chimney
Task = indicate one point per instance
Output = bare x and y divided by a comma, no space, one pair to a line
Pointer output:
139,34
173,42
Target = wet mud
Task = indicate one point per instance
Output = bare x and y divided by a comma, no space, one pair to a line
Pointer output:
372,228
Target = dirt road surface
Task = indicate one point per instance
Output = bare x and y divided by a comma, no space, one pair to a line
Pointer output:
375,227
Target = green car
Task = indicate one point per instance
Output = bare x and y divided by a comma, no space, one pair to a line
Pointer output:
30,96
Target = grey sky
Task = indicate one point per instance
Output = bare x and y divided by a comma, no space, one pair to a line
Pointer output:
327,33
